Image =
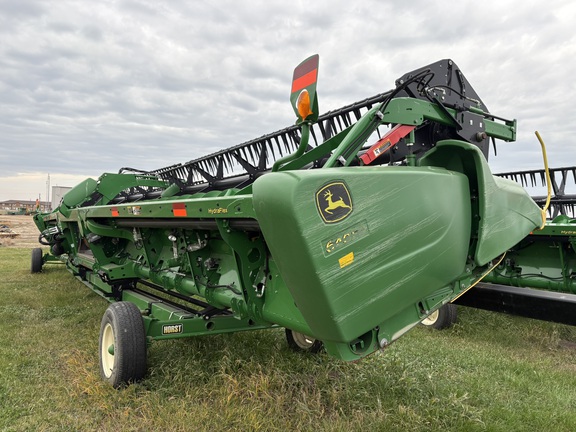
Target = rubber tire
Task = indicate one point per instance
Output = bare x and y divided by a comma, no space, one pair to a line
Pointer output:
123,326
442,318
301,343
37,261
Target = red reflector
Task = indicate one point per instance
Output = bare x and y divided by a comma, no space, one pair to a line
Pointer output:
114,211
179,209
305,80
306,66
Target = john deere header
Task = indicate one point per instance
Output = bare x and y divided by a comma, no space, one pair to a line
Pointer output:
346,229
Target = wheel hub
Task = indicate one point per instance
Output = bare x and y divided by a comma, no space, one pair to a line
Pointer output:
108,350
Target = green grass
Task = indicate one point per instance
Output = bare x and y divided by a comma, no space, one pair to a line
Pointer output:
489,372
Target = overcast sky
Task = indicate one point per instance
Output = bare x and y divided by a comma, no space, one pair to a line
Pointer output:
87,87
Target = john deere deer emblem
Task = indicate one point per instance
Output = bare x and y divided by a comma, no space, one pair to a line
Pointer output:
333,202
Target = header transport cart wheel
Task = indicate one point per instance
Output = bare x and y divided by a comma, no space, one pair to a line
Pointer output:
36,263
442,318
302,343
122,344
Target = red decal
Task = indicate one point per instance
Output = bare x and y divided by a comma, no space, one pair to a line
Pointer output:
305,80
179,209
114,211
390,139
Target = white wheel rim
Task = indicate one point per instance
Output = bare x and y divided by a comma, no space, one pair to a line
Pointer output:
107,343
431,319
302,340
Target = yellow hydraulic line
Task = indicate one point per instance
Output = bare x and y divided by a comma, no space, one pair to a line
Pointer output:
547,179
479,279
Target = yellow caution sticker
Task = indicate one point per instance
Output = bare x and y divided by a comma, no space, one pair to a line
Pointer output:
346,260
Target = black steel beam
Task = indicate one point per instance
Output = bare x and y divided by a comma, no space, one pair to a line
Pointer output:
527,302
187,223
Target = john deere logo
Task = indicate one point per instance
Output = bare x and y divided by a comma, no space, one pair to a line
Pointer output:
333,202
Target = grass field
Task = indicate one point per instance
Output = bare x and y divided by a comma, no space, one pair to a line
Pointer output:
489,372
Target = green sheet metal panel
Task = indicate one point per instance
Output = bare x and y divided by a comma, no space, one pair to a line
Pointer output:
355,245
506,213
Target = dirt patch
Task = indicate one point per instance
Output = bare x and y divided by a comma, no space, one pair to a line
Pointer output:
23,231
567,344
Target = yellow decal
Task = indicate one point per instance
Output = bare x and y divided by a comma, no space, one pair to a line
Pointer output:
378,148
333,202
346,260
338,241
341,241
217,210
172,329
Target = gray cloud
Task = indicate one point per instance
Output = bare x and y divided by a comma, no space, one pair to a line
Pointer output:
91,87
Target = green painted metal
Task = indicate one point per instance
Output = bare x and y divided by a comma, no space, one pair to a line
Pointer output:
407,111
545,259
503,214
299,152
165,321
78,194
390,248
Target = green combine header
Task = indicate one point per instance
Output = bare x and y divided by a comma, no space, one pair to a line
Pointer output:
346,229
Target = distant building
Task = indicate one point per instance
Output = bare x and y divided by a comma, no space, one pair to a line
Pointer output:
25,206
22,206
57,193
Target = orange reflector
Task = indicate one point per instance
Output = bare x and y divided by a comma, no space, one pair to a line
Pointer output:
114,211
303,104
179,209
